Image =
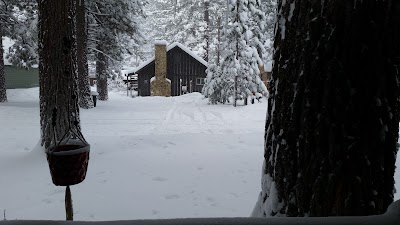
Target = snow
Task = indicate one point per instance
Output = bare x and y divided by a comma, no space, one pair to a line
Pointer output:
151,158
7,43
292,7
94,93
127,70
282,26
268,67
160,42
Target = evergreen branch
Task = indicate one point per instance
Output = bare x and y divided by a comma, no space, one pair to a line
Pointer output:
108,56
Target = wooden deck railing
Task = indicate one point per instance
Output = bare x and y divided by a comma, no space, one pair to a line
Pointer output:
391,217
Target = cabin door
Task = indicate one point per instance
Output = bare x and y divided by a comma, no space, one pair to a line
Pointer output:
145,88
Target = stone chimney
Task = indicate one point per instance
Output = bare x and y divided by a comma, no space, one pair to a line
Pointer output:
159,85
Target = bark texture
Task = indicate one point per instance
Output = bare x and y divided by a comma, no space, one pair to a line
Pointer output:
3,92
333,113
101,74
57,69
85,99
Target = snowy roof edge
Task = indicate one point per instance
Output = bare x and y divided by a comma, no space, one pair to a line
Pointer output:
160,42
171,46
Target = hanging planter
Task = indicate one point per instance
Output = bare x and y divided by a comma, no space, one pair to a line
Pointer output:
68,160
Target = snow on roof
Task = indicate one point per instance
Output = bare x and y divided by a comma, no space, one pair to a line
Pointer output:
188,51
7,43
171,46
127,70
160,42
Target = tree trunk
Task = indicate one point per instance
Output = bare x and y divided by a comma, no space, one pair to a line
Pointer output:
219,41
57,69
101,74
85,99
333,112
207,31
3,92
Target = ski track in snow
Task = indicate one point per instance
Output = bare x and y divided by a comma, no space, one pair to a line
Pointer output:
151,158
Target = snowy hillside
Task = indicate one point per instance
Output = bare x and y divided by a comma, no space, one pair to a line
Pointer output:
151,157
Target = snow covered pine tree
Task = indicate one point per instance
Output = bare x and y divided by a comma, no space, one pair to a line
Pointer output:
243,42
333,116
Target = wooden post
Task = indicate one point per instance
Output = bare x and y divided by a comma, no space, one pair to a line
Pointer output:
235,95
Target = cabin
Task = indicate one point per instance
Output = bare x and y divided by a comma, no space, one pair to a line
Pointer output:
178,69
265,72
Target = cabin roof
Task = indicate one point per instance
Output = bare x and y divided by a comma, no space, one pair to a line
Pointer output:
171,46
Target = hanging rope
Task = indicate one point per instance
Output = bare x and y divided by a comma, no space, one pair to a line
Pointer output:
68,204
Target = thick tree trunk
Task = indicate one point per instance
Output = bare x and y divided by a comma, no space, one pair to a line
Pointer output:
3,92
85,99
101,74
333,115
57,69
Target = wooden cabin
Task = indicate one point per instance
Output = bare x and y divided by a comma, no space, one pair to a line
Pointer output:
185,71
265,72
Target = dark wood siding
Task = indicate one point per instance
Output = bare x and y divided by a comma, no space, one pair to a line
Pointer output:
180,66
144,76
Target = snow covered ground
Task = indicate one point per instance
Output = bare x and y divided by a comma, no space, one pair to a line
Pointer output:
151,158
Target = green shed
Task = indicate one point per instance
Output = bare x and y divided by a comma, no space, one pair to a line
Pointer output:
21,78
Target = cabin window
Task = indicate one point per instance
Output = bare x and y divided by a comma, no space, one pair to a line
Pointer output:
200,81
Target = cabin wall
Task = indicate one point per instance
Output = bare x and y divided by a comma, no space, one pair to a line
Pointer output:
180,66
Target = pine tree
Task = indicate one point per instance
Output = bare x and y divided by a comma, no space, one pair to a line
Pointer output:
111,22
269,9
187,22
333,115
243,40
24,52
217,88
6,22
57,69
3,90
85,99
